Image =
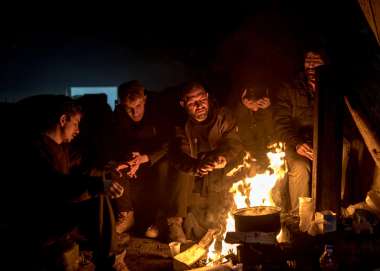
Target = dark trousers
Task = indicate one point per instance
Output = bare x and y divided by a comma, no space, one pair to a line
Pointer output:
180,189
40,238
146,194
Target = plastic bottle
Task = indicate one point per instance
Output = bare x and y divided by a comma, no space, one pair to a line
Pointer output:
328,261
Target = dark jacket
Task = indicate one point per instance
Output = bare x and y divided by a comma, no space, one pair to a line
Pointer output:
293,113
222,138
255,129
149,136
54,184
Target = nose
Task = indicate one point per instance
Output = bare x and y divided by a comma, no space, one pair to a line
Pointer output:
198,104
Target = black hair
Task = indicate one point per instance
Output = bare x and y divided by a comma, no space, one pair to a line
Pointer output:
131,90
187,87
48,109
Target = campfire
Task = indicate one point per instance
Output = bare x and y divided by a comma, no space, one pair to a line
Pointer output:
250,192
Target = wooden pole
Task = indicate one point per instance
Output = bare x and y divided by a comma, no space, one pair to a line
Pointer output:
327,164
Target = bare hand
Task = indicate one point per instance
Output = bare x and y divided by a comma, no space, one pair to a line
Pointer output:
209,165
115,190
263,103
135,162
121,167
305,150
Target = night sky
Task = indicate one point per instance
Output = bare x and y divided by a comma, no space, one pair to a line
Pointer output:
224,47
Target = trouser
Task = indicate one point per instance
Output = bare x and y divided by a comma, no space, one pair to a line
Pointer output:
40,238
181,186
145,194
299,178
299,175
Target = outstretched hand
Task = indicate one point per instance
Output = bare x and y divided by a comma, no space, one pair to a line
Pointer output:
209,165
133,164
305,150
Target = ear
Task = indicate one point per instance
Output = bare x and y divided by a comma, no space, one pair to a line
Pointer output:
182,103
63,120
145,98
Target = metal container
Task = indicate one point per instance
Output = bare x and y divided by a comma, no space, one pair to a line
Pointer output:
258,218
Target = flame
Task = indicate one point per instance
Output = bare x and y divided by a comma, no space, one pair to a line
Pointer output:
253,191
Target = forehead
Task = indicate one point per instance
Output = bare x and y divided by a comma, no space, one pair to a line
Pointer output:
196,93
133,103
75,117
312,56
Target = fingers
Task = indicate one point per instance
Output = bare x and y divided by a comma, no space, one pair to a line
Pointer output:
264,103
221,162
121,167
116,190
306,151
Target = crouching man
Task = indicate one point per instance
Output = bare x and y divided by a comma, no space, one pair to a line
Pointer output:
53,199
201,152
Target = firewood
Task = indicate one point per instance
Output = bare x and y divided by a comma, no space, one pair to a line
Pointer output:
147,247
192,255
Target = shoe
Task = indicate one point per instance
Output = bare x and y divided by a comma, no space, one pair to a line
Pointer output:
176,232
152,231
125,221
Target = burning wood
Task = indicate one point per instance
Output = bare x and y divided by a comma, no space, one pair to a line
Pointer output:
192,255
249,192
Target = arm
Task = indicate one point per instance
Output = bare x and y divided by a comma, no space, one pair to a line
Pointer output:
179,153
230,145
283,118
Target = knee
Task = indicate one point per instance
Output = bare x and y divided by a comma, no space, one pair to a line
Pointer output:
299,167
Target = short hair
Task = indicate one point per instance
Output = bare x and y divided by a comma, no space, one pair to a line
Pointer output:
49,108
131,90
254,93
187,87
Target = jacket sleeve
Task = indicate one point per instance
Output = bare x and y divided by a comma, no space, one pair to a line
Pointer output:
179,153
230,145
283,118
156,154
54,183
160,149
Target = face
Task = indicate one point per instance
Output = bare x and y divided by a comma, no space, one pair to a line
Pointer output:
70,127
251,105
312,61
135,109
196,104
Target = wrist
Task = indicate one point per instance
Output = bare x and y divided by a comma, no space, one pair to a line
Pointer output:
145,158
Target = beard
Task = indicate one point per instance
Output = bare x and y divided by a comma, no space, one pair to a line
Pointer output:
200,114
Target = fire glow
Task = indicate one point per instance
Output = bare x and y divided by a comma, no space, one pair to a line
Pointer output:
250,192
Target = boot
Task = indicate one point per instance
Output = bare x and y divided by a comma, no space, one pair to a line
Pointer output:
125,221
176,232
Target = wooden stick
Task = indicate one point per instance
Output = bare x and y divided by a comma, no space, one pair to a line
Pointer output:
368,135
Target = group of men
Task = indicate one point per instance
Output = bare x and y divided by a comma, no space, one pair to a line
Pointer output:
161,168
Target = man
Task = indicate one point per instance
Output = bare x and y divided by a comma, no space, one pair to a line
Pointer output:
58,199
294,125
255,124
201,151
141,138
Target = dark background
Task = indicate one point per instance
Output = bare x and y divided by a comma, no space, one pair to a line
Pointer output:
224,46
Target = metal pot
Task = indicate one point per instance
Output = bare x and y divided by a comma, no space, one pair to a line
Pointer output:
258,218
